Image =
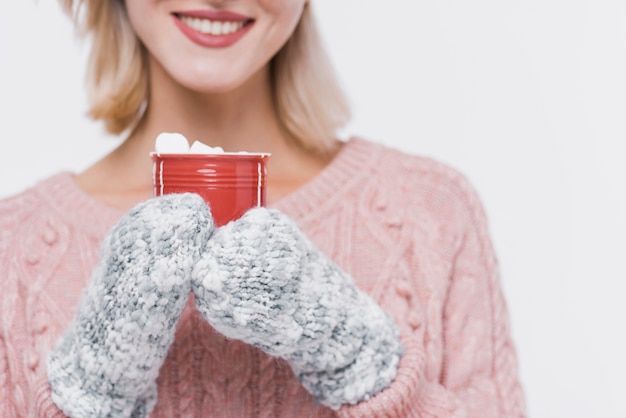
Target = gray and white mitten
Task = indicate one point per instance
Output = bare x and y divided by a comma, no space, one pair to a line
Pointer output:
260,280
107,362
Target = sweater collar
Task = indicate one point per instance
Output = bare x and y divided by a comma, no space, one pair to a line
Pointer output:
76,207
326,189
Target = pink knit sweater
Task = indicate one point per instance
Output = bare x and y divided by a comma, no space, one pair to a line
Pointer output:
411,232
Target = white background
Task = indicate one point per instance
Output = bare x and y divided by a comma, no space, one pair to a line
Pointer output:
527,98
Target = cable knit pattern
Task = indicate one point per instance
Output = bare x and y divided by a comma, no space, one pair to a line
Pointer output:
410,231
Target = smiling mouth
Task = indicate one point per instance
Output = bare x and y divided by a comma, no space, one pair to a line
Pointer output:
213,27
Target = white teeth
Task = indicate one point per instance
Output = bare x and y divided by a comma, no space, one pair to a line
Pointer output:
205,26
215,28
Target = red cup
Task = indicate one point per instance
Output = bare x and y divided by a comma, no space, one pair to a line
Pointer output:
231,183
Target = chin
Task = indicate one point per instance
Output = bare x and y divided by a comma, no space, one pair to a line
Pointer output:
213,88
211,83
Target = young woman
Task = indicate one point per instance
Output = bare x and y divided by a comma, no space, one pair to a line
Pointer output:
117,304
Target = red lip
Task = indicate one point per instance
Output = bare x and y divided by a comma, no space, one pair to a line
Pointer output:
208,40
215,15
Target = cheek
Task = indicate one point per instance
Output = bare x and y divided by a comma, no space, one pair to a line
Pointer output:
283,16
284,10
134,10
144,17
282,4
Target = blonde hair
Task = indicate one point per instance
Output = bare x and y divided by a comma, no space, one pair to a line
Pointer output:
308,99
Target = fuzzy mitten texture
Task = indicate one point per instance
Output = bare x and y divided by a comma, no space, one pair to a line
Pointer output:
260,280
107,362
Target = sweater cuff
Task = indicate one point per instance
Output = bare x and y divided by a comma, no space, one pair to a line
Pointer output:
409,395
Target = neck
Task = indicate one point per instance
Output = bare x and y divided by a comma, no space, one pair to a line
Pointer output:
242,119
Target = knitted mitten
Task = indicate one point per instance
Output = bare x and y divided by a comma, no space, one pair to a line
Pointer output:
260,280
107,362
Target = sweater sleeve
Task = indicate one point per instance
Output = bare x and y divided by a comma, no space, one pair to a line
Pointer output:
479,373
5,383
7,408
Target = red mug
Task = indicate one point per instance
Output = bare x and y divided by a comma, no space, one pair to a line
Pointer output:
231,183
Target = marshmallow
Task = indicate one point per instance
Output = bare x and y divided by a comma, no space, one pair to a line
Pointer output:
171,143
199,148
175,143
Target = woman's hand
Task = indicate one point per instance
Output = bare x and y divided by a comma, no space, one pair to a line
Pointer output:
107,363
260,280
